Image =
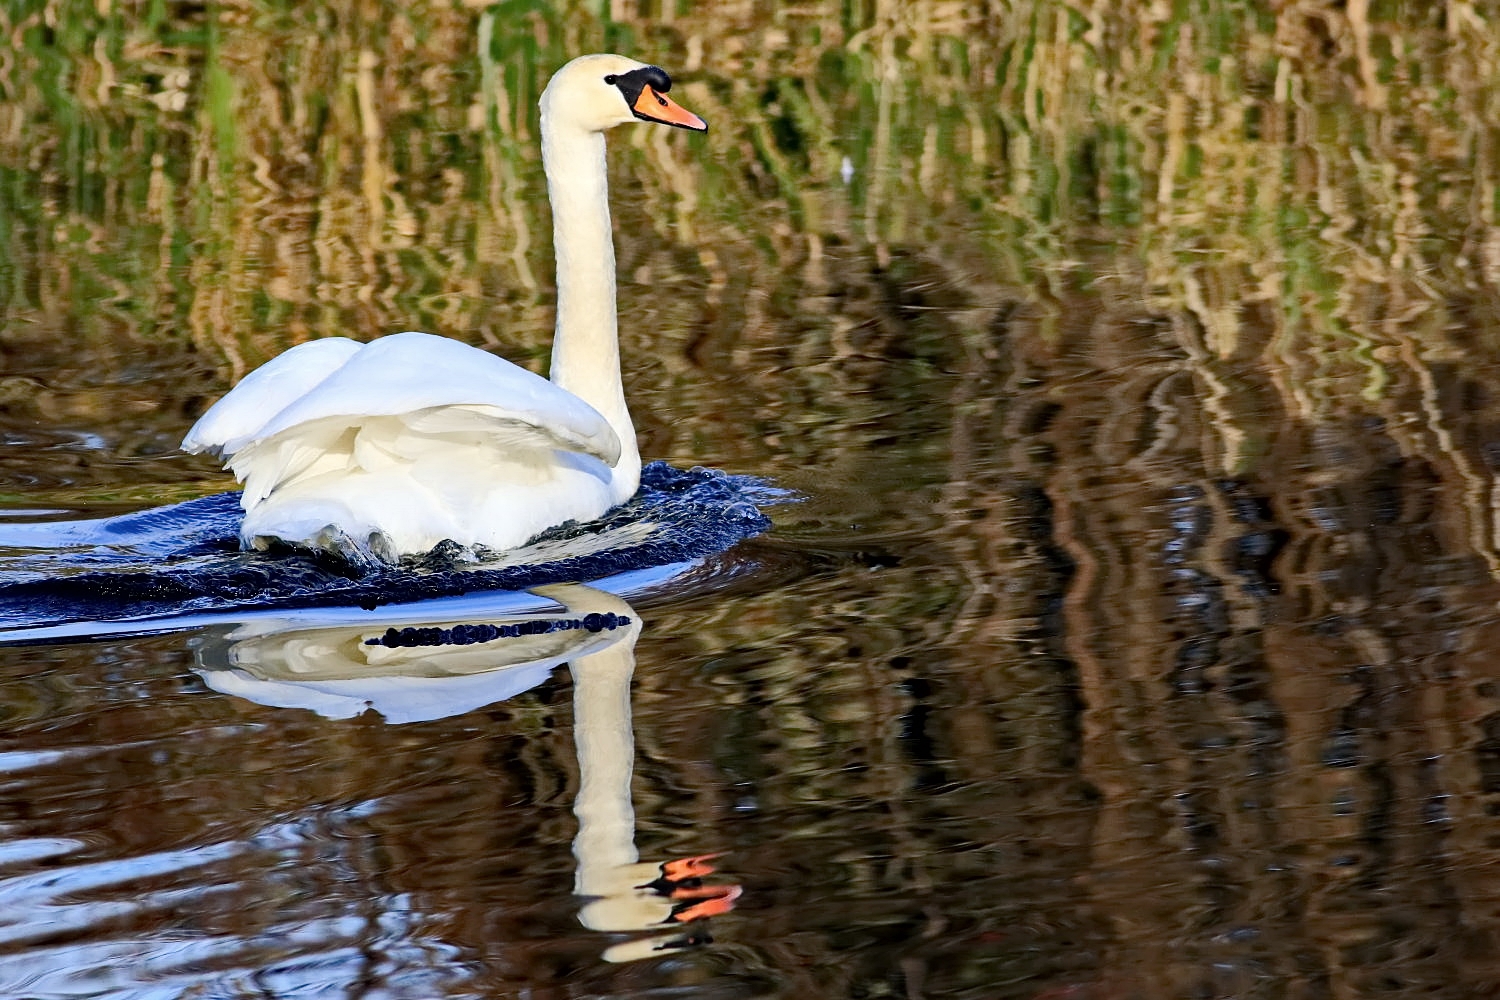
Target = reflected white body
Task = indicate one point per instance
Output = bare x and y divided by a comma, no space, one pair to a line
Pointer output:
336,673
397,445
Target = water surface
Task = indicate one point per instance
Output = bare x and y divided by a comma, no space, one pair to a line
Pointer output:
1133,641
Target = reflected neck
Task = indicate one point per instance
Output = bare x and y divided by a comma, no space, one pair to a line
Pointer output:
606,756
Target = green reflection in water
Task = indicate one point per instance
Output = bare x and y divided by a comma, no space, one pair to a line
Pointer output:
252,174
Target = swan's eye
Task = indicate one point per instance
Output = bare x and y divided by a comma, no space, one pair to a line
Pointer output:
611,79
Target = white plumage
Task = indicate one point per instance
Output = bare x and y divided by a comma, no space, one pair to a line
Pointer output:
413,438
388,448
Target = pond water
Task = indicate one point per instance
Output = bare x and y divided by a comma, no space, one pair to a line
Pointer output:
1133,636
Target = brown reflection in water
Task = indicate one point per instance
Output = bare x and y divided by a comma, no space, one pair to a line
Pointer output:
1069,707
1064,698
1284,674
275,845
1142,374
1244,711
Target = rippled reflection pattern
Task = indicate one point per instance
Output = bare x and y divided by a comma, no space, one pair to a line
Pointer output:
1139,364
291,906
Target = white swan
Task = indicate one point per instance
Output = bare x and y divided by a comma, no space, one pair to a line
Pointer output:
388,448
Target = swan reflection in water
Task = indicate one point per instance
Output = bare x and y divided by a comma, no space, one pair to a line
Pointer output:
421,673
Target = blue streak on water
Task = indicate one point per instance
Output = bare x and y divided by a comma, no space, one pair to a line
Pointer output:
184,560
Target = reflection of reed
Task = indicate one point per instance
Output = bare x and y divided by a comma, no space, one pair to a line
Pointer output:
1152,338
327,169
1268,717
1250,716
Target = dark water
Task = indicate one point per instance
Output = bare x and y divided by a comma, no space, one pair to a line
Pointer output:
1011,706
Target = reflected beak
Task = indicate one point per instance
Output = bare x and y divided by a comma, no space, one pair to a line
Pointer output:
703,902
654,107
681,869
680,872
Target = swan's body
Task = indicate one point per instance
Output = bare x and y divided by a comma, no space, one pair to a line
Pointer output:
391,447
410,440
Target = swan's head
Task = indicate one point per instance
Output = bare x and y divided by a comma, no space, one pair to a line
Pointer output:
593,93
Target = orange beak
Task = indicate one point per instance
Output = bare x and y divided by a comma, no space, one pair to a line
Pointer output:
711,901
656,107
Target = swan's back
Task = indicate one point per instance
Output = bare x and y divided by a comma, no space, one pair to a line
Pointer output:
395,446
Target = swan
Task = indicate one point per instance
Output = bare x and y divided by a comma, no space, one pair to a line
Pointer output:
386,449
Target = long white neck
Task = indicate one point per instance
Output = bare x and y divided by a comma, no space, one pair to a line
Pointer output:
586,345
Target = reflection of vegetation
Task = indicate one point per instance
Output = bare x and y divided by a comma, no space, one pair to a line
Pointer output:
259,172
1091,257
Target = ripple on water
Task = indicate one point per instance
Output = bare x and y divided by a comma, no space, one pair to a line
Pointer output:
184,559
217,919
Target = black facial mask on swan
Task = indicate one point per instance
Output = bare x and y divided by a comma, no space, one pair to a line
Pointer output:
645,91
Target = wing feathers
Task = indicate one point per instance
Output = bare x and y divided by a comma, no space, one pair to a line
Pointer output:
237,419
417,437
289,414
415,372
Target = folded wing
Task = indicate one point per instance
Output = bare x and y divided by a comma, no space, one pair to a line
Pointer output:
321,390
413,436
